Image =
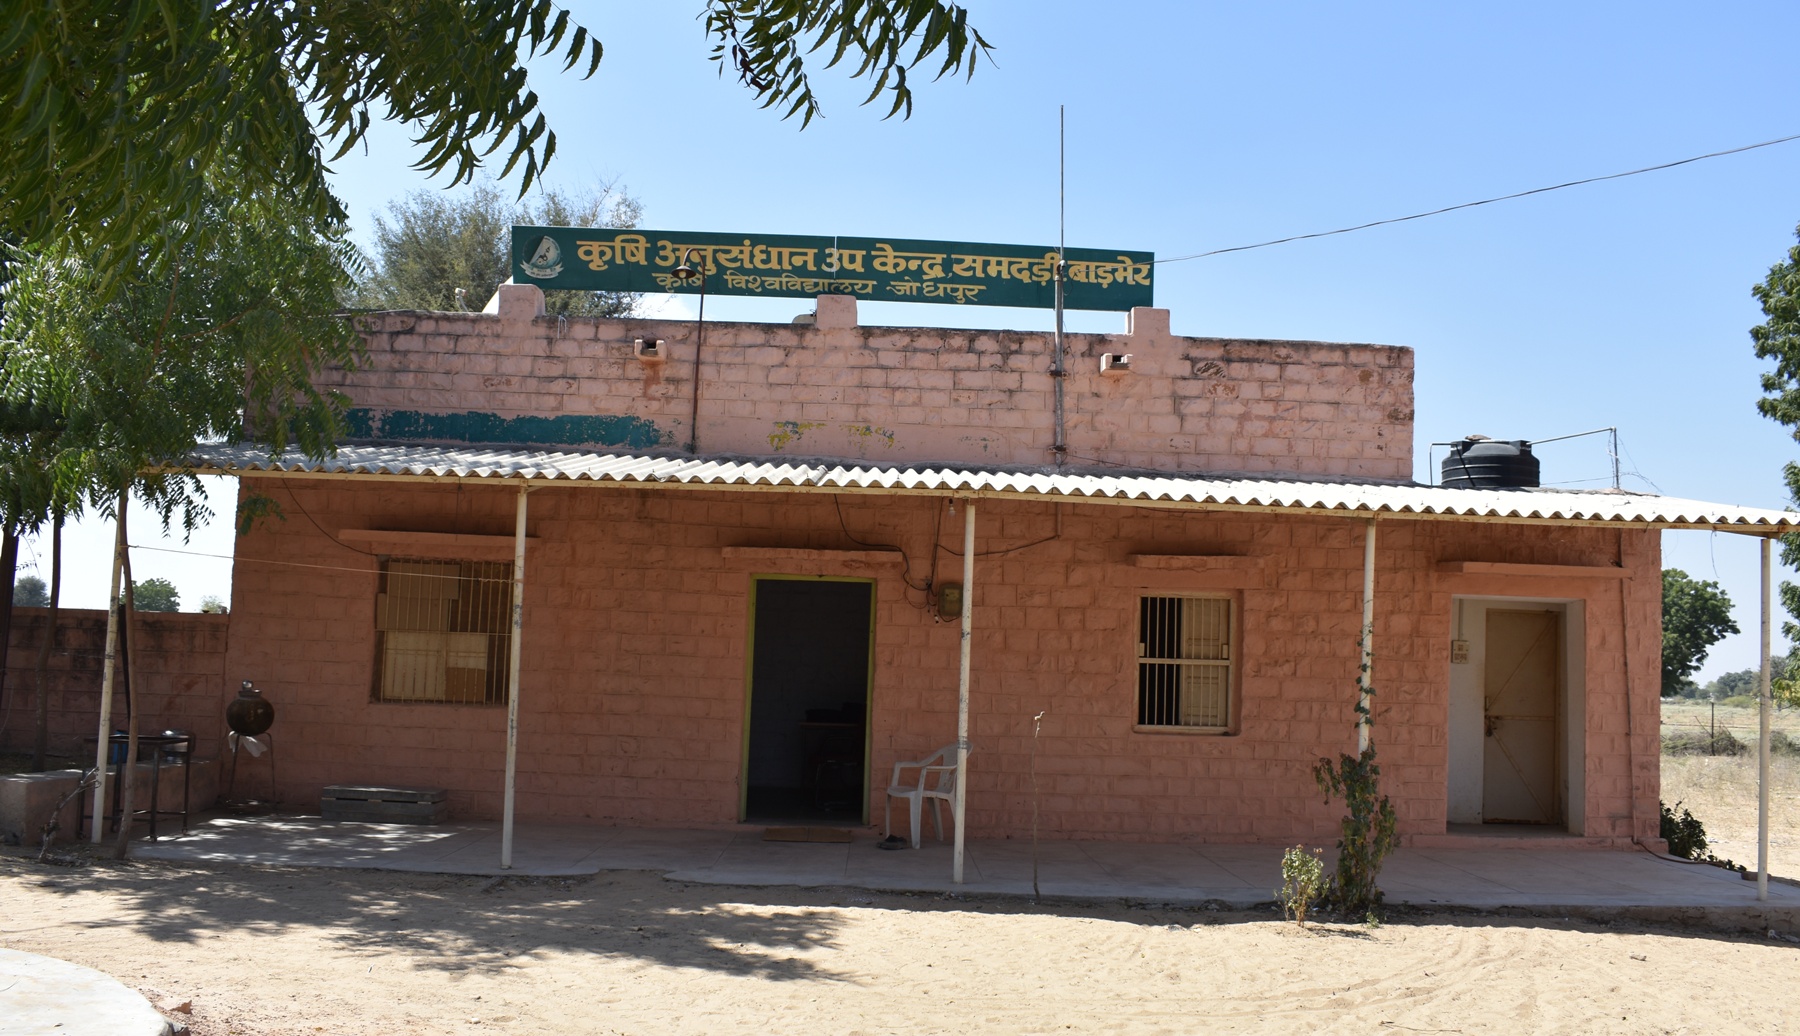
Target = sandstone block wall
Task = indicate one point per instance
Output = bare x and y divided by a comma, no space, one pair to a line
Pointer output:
637,621
886,395
181,664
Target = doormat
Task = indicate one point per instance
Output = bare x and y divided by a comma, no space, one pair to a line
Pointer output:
805,834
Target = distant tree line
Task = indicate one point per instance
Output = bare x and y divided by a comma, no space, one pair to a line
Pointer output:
1742,683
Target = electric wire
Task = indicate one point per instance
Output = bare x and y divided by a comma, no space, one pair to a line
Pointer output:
1484,201
905,560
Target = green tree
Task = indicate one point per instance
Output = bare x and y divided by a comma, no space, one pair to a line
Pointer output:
1696,615
30,592
432,244
155,595
1778,338
117,111
221,342
1729,685
217,339
1744,681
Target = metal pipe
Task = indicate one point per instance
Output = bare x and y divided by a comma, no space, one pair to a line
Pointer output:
1364,679
512,681
107,677
1762,737
962,687
699,342
1060,449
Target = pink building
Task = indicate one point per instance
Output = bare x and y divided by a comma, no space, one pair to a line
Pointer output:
734,598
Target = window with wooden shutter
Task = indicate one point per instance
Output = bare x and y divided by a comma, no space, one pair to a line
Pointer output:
442,631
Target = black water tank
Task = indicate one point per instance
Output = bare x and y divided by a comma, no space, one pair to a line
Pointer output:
1490,464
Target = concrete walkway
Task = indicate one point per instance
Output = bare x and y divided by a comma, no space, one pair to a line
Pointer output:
41,995
1229,875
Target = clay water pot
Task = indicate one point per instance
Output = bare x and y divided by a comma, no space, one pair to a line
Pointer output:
249,713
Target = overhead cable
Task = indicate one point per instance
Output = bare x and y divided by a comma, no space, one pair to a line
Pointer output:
1484,201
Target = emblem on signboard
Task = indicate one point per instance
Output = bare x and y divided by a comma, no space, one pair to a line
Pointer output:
545,261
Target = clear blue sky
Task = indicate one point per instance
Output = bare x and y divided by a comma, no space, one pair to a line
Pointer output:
1194,126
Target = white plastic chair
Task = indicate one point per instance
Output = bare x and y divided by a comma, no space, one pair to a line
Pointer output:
936,781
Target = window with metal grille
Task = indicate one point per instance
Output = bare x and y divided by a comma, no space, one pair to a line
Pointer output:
1185,662
443,631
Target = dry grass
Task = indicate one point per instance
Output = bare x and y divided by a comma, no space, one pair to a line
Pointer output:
1685,715
1721,790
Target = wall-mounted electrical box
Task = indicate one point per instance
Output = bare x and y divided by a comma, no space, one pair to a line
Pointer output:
950,602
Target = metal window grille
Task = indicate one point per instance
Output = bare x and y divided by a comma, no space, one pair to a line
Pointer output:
443,631
1184,662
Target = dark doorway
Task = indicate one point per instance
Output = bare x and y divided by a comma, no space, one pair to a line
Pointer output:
806,757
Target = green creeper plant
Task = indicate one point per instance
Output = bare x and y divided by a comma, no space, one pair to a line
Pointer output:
1368,832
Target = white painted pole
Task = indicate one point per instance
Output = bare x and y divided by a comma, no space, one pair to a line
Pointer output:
1365,679
1762,737
512,683
962,686
107,678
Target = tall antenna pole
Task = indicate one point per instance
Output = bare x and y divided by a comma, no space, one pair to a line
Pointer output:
1615,457
1057,374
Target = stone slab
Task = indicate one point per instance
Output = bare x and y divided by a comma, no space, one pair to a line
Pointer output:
41,995
1582,881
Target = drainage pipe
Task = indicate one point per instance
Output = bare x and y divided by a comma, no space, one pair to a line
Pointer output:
512,682
962,688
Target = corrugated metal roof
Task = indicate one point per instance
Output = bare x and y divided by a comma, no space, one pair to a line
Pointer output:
1349,499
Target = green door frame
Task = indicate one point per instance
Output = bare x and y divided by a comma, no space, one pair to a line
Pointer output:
750,679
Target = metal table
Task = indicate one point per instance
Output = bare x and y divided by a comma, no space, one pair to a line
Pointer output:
162,745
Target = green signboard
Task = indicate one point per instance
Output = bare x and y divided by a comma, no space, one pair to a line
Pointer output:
877,269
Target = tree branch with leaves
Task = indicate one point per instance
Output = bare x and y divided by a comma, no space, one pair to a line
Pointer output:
117,111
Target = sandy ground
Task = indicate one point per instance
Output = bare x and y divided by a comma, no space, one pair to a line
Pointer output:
261,952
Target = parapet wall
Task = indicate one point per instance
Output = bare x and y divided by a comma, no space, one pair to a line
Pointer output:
886,395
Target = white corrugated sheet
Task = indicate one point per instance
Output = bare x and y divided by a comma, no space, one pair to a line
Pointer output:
1147,489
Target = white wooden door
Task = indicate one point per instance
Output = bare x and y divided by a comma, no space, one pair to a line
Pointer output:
1521,691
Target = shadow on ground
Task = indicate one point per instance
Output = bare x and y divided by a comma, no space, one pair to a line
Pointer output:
473,923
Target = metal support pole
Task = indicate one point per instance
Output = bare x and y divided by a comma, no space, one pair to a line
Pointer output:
1762,736
108,676
1060,448
512,682
1365,677
962,686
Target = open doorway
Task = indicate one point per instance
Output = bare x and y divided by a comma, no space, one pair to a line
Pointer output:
1517,705
806,748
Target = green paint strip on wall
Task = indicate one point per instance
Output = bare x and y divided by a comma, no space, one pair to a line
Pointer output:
470,426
